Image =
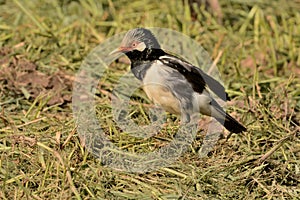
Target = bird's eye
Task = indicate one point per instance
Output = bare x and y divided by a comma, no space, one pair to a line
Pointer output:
134,44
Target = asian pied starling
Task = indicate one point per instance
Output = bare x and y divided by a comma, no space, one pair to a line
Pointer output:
173,83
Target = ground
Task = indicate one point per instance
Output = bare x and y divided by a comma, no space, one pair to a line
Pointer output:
254,44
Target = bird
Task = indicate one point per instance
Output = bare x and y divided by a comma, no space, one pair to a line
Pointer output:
173,83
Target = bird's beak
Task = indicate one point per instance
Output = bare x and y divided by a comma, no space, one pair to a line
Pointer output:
118,50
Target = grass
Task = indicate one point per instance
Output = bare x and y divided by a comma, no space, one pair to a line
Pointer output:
42,45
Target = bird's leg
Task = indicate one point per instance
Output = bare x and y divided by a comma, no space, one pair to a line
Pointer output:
185,118
185,112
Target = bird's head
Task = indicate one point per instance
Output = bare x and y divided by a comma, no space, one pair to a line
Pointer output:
137,39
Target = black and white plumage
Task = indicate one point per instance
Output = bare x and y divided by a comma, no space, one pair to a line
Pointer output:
173,83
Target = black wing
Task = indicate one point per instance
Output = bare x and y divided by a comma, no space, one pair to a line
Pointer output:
198,78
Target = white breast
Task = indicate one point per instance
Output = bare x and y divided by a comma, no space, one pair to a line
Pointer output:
157,74
157,90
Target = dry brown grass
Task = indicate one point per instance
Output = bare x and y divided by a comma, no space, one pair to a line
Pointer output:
42,157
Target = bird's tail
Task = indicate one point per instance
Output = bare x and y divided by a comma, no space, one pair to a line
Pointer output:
225,119
231,124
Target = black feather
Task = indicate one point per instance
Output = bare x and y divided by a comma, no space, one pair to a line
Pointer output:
195,76
231,124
